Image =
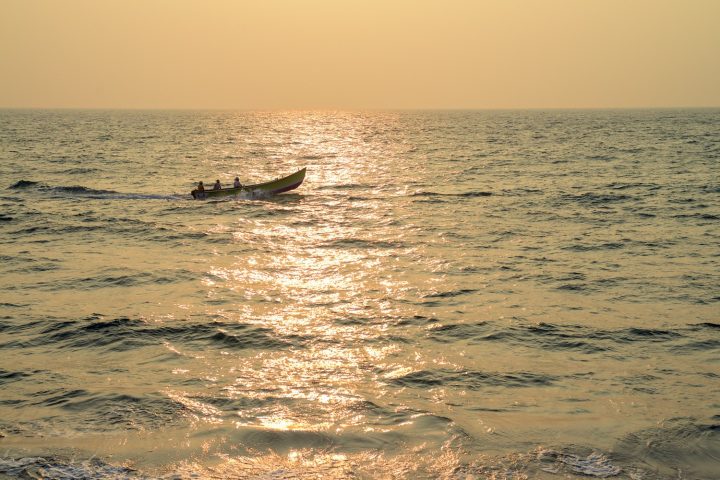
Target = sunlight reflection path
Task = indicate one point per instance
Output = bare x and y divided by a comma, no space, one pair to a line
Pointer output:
326,279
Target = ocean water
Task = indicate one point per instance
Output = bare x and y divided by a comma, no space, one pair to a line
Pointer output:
456,295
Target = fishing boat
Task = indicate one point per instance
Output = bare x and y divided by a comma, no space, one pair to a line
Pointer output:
272,187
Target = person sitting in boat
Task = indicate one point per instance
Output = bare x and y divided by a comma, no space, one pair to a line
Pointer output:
199,191
217,185
237,183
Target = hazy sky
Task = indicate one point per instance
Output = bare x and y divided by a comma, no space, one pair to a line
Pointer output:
251,54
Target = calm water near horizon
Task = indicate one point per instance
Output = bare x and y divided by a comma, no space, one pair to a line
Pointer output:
450,294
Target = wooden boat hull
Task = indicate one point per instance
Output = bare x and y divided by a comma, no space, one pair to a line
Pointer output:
272,187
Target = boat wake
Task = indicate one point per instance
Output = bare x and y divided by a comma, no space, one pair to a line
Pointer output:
87,192
256,195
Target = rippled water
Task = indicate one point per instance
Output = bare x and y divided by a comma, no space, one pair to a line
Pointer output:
448,295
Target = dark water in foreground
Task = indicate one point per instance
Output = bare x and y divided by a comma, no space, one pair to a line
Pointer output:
449,295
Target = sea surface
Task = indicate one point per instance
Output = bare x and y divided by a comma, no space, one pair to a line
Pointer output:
450,294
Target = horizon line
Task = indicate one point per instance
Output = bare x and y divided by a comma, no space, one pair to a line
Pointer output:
360,109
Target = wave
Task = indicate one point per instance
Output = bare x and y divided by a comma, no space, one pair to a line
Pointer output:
596,198
23,184
82,190
7,376
79,171
708,325
88,192
78,189
89,224
590,248
684,445
11,305
40,468
592,465
363,244
601,157
320,461
126,334
644,455
700,216
630,185
346,186
472,193
451,293
471,380
583,339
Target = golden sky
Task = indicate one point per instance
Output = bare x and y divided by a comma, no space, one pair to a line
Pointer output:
275,54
